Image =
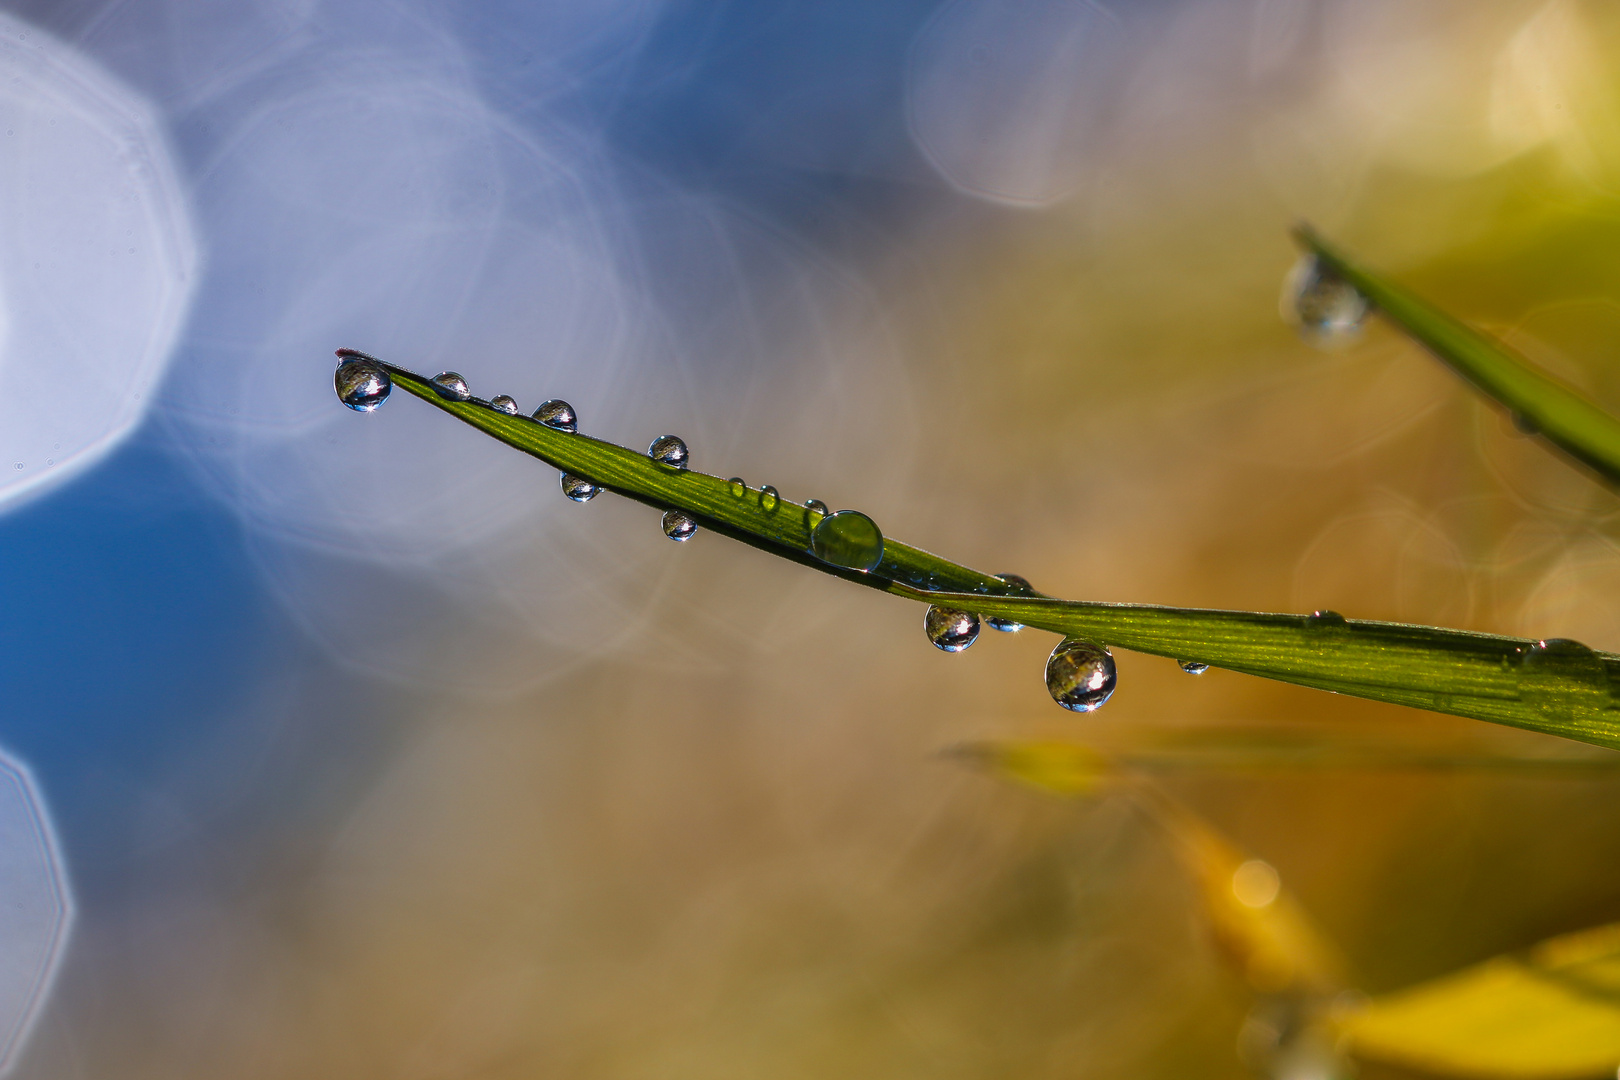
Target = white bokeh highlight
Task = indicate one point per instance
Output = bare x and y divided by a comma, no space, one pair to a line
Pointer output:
97,260
37,912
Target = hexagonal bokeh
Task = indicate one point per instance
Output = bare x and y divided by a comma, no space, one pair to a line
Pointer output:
38,909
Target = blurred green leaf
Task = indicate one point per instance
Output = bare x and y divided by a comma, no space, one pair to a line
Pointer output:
1548,1014
1539,402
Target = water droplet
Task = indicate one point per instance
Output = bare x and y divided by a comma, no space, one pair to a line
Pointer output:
816,506
1326,620
1524,425
1080,675
669,450
768,499
451,386
852,540
1564,678
1193,667
557,414
1327,308
951,631
679,525
1019,584
737,486
361,384
504,403
578,488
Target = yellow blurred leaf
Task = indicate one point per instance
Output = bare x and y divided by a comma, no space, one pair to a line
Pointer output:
1552,1013
1057,767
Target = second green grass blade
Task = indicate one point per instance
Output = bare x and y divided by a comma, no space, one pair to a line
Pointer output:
1557,411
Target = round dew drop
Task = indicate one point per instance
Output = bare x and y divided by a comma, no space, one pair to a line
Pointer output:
557,414
1324,619
451,386
504,403
737,487
669,450
679,525
360,384
769,499
1328,309
1080,675
950,631
577,488
1022,585
849,539
816,506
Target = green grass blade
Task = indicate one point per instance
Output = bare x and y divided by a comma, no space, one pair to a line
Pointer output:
1563,690
1561,414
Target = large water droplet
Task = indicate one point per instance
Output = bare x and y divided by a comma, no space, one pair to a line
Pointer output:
669,450
679,525
1080,675
950,630
816,506
557,414
1327,308
849,539
504,403
361,384
451,386
769,499
1019,584
1193,667
737,487
578,488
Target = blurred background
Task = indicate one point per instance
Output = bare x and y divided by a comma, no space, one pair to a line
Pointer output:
346,746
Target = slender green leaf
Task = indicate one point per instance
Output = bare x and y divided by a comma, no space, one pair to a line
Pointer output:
1561,688
1560,413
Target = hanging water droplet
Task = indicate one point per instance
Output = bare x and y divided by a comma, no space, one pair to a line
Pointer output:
578,488
849,539
361,384
679,525
1193,667
504,403
1020,584
1326,620
737,487
669,450
557,414
1080,675
768,499
1327,309
816,506
451,386
951,631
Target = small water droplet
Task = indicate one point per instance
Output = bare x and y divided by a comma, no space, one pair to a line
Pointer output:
504,403
557,414
679,525
1328,309
816,506
669,450
1325,620
361,384
451,386
849,539
1080,675
950,631
1193,667
1524,425
1020,584
578,488
769,499
737,486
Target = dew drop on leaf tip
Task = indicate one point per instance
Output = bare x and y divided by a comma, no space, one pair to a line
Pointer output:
1327,309
669,450
504,403
557,414
451,386
950,631
577,488
1080,675
679,525
1020,584
849,539
361,385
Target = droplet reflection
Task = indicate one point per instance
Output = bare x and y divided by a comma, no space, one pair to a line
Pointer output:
1080,675
1328,309
849,539
361,384
1193,667
504,403
669,450
679,525
1020,584
737,487
557,414
451,386
769,499
950,631
578,488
